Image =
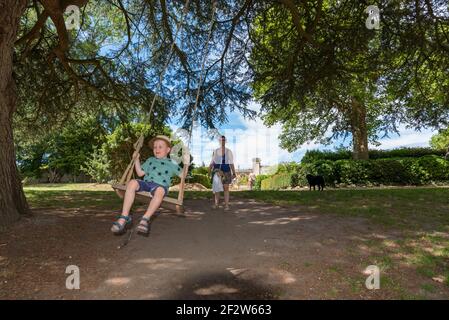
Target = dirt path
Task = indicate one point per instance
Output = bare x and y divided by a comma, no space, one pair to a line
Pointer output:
243,254
254,251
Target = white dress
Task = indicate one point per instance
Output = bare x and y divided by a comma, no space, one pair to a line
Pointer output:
217,162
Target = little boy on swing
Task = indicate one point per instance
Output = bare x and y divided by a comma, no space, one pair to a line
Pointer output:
156,172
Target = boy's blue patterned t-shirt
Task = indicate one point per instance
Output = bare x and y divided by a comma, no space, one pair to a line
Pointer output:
160,170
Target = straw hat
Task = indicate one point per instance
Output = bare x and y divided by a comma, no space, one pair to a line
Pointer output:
159,137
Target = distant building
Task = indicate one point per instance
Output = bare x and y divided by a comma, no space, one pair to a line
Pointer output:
256,169
257,166
244,171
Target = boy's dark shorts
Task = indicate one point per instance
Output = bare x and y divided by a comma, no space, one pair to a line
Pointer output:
150,186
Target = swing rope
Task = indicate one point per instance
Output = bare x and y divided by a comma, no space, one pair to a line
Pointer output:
200,83
203,63
127,175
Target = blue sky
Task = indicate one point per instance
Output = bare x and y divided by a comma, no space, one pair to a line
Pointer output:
251,138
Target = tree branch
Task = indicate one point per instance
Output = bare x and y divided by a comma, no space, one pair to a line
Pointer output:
290,5
34,32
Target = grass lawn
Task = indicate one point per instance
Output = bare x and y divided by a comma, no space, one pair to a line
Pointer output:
399,207
419,217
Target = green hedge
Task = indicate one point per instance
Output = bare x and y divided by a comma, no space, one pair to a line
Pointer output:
277,181
325,168
316,155
200,170
203,179
414,171
288,167
258,182
399,171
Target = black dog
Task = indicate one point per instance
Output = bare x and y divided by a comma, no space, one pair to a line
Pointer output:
315,181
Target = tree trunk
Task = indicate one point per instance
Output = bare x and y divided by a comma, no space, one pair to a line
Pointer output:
54,176
12,197
359,130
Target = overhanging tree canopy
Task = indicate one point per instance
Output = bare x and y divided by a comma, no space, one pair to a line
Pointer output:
113,61
322,74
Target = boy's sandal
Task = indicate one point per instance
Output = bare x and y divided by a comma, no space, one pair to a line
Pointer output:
144,226
119,228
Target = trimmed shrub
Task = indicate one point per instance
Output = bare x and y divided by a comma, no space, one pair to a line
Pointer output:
416,173
258,182
433,168
315,155
405,153
325,168
201,179
352,171
288,167
387,171
200,170
277,181
295,180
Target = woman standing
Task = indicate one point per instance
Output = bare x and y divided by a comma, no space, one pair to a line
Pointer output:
222,159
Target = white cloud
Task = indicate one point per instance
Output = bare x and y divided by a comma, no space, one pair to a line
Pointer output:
407,138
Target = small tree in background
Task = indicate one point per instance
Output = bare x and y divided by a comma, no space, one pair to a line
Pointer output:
440,140
98,166
58,152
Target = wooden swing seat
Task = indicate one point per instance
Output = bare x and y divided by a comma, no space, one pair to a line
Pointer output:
145,197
